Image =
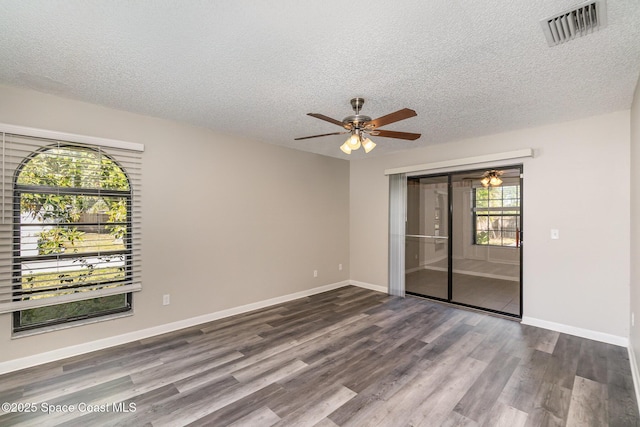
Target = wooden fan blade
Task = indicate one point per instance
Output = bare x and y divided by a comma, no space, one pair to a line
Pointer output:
328,119
318,136
393,134
405,113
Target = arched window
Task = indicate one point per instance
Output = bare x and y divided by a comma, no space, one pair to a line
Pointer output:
72,236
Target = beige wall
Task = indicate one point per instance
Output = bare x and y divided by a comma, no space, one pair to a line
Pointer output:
227,222
634,336
580,280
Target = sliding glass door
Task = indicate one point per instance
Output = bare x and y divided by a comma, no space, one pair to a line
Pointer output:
463,239
426,238
486,243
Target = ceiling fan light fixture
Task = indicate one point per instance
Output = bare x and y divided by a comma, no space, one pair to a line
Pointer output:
345,148
368,145
354,141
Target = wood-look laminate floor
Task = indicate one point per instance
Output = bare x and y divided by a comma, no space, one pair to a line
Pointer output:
348,357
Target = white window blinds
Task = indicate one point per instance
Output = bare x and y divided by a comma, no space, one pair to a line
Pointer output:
397,225
70,225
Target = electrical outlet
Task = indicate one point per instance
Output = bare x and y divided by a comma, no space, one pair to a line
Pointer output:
315,273
166,299
339,267
633,319
555,233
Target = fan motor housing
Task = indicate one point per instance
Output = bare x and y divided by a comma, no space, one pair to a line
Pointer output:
356,120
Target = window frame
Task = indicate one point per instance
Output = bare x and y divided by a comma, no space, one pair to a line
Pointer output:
497,212
18,259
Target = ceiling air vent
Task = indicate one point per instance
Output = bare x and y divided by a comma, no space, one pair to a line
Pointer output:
576,22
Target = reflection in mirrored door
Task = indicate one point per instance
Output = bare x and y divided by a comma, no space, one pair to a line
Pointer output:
486,240
426,239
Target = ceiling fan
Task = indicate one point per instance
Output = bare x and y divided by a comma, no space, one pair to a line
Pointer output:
361,126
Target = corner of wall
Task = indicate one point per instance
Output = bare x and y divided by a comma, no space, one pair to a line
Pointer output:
634,276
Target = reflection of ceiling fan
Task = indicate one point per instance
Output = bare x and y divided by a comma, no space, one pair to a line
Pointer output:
361,126
492,178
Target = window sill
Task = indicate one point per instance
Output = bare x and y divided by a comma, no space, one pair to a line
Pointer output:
46,329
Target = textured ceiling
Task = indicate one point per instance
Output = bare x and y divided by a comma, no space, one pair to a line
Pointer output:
255,68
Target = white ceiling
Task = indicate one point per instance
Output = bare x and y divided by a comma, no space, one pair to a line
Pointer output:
255,68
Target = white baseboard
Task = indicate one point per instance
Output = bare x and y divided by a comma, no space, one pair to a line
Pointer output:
579,332
426,267
488,275
468,273
634,372
75,350
369,286
433,260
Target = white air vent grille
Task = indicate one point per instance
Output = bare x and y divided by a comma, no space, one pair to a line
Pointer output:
577,22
